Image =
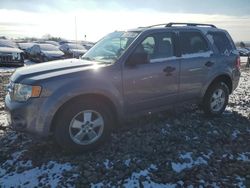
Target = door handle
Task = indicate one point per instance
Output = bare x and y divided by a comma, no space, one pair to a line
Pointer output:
169,69
209,64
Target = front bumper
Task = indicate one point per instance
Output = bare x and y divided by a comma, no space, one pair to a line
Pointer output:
13,63
26,116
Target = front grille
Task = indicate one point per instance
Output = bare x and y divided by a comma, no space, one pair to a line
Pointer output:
9,58
6,59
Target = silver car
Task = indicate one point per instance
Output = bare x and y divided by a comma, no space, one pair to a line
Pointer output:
124,75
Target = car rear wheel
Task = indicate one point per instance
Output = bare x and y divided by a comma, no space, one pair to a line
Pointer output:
83,126
216,99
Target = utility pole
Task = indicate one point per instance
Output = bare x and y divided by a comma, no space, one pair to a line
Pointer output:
75,34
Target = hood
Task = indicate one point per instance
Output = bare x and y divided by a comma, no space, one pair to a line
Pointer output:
10,50
53,68
53,53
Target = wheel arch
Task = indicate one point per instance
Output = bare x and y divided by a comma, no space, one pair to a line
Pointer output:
97,97
220,78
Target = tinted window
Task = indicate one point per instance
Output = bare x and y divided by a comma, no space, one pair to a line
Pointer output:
192,42
221,42
159,45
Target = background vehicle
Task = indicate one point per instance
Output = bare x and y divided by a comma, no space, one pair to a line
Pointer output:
44,52
24,46
244,51
10,55
126,74
87,45
73,50
52,42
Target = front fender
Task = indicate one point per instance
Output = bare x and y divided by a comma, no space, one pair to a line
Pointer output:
73,89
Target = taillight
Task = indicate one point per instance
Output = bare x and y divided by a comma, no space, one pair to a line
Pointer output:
237,63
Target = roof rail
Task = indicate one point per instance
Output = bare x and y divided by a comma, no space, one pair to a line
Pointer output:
190,24
165,25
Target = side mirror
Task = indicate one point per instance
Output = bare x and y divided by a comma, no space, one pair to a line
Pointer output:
137,58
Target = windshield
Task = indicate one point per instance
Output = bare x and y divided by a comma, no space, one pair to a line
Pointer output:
111,47
48,47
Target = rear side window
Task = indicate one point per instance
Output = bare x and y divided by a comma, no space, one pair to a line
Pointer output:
193,42
221,42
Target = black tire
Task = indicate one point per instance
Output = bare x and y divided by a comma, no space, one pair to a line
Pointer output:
65,117
208,99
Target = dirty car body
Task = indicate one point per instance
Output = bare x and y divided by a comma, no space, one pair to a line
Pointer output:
129,74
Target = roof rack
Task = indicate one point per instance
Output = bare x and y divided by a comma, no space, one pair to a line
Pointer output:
165,24
187,24
190,24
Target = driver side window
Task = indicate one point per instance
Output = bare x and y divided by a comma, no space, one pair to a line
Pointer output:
157,46
149,45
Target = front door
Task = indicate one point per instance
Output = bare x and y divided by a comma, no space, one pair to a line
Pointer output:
153,83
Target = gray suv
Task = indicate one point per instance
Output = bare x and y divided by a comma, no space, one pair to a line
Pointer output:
126,74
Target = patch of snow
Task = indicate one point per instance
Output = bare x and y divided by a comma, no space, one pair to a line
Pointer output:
243,157
3,120
153,167
240,183
215,132
229,155
97,185
47,175
178,167
108,164
243,59
215,185
235,134
164,131
127,162
227,113
134,180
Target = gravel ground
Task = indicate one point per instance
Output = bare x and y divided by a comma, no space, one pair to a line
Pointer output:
177,148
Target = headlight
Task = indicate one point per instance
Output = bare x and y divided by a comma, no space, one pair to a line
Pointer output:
24,92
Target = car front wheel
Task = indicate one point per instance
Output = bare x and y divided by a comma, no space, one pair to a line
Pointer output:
83,126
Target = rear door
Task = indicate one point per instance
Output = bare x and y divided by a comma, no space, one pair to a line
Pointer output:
196,62
152,84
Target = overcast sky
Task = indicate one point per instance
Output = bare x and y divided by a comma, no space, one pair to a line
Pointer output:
95,18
